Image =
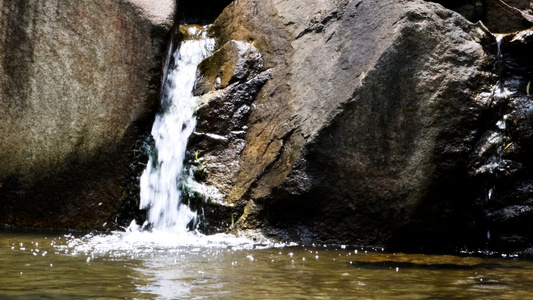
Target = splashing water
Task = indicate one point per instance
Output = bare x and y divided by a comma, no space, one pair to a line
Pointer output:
160,193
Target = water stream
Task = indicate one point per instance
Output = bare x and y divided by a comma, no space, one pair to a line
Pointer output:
58,266
170,222
160,193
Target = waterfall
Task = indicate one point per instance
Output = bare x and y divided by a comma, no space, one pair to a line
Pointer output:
160,193
500,91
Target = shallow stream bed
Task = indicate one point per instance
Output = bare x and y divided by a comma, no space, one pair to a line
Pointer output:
122,266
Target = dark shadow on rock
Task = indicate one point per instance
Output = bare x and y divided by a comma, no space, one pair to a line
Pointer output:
200,11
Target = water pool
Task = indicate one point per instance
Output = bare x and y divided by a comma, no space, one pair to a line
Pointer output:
59,266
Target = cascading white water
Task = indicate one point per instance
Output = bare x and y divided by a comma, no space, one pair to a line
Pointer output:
160,194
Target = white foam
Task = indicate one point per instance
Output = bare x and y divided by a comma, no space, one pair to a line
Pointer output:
160,193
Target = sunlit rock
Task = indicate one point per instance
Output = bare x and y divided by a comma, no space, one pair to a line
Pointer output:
362,134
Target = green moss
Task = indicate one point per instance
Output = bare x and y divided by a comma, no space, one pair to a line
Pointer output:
191,197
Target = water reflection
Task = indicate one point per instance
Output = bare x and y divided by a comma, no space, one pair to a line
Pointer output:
32,268
55,266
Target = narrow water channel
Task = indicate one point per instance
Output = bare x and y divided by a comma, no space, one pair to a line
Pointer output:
59,266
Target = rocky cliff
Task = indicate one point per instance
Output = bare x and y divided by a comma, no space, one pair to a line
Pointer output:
363,121
393,123
79,84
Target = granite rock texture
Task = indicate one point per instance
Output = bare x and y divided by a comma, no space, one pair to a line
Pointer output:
79,84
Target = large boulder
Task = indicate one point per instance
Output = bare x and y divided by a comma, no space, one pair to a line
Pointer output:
364,131
79,84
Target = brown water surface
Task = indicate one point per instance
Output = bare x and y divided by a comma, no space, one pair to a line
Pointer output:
55,266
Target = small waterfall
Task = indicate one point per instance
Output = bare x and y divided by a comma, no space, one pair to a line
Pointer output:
160,193
500,91
501,159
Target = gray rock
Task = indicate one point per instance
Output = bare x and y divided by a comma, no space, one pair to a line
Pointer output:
233,62
80,82
228,82
363,132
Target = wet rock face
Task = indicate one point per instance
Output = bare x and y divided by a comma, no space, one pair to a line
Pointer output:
228,81
501,162
79,84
